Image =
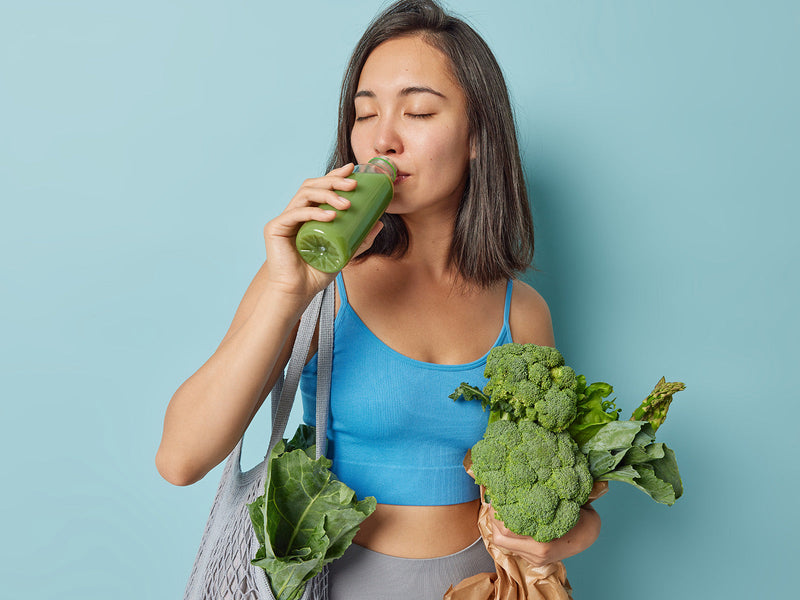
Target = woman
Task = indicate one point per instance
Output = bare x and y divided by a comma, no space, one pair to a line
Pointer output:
417,311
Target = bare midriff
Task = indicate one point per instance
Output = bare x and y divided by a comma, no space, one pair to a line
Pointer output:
420,531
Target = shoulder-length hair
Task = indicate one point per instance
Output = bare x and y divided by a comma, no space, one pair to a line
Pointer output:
493,234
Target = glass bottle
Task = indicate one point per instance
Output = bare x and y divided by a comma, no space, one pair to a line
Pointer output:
329,245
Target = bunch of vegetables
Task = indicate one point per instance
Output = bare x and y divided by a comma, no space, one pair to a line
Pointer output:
306,517
550,436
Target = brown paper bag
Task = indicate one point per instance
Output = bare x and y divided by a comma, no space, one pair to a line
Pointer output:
514,578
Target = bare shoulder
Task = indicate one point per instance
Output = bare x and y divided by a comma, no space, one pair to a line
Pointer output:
530,316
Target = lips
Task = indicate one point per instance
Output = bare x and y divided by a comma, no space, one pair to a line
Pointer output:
401,177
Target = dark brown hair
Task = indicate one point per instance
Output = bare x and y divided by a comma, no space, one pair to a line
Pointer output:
493,235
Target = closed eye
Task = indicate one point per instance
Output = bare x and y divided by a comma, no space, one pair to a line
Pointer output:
364,117
420,116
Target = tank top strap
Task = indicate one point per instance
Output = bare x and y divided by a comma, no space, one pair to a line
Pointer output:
341,290
507,309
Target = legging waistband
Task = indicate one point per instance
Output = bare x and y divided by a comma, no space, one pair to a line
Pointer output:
363,574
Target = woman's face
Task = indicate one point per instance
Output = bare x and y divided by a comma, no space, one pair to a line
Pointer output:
410,108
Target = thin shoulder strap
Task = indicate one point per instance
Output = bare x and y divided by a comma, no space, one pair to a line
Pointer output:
341,289
507,309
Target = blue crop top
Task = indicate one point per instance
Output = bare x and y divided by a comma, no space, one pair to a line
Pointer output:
393,432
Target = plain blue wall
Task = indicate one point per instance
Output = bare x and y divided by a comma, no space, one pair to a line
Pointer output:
144,145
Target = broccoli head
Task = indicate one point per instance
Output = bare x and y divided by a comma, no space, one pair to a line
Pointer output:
527,381
536,479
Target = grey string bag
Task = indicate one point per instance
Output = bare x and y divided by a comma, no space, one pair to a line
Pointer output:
222,568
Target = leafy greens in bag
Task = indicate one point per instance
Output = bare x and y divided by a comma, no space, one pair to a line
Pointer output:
306,517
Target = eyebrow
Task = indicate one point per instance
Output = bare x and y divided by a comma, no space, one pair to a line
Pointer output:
406,91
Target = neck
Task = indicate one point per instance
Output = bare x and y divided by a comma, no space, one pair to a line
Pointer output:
429,241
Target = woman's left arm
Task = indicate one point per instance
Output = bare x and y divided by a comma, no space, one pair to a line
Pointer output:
531,323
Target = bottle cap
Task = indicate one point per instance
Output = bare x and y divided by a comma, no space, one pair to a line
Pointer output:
382,161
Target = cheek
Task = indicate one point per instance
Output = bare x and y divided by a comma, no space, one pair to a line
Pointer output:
451,153
359,146
453,143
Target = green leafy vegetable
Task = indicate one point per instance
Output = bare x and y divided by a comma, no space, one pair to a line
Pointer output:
306,517
593,410
627,451
534,482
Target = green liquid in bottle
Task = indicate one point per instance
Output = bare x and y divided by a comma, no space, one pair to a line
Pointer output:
328,245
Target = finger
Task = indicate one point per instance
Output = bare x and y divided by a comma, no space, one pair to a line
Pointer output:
315,196
367,243
330,182
289,221
342,171
503,530
599,488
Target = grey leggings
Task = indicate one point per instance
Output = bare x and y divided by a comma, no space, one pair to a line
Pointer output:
363,574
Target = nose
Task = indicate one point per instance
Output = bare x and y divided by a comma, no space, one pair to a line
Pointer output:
388,139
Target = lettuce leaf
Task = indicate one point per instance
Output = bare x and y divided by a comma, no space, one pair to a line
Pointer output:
306,517
593,410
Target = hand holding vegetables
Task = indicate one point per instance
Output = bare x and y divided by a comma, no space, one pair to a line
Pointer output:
550,436
551,445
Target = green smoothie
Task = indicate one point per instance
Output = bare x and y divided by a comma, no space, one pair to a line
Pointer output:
328,246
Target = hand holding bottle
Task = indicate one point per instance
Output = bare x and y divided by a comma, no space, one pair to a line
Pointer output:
285,268
329,245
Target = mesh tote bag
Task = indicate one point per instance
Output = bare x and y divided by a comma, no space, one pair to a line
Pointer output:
222,568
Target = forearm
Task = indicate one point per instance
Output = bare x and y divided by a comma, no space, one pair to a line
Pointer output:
208,414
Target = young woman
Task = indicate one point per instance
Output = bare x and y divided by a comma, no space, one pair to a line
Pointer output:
432,292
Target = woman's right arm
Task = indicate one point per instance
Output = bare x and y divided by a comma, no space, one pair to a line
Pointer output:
210,411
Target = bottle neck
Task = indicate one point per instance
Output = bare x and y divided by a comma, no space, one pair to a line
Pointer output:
379,164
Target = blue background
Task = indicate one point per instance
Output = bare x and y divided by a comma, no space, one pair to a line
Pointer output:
144,145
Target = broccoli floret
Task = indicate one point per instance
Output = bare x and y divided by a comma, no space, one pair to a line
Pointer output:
539,375
537,479
525,398
557,409
548,356
564,378
527,381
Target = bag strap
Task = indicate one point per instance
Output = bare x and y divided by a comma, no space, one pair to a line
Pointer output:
324,367
320,310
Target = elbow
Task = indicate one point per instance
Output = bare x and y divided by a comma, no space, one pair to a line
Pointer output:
593,523
177,472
